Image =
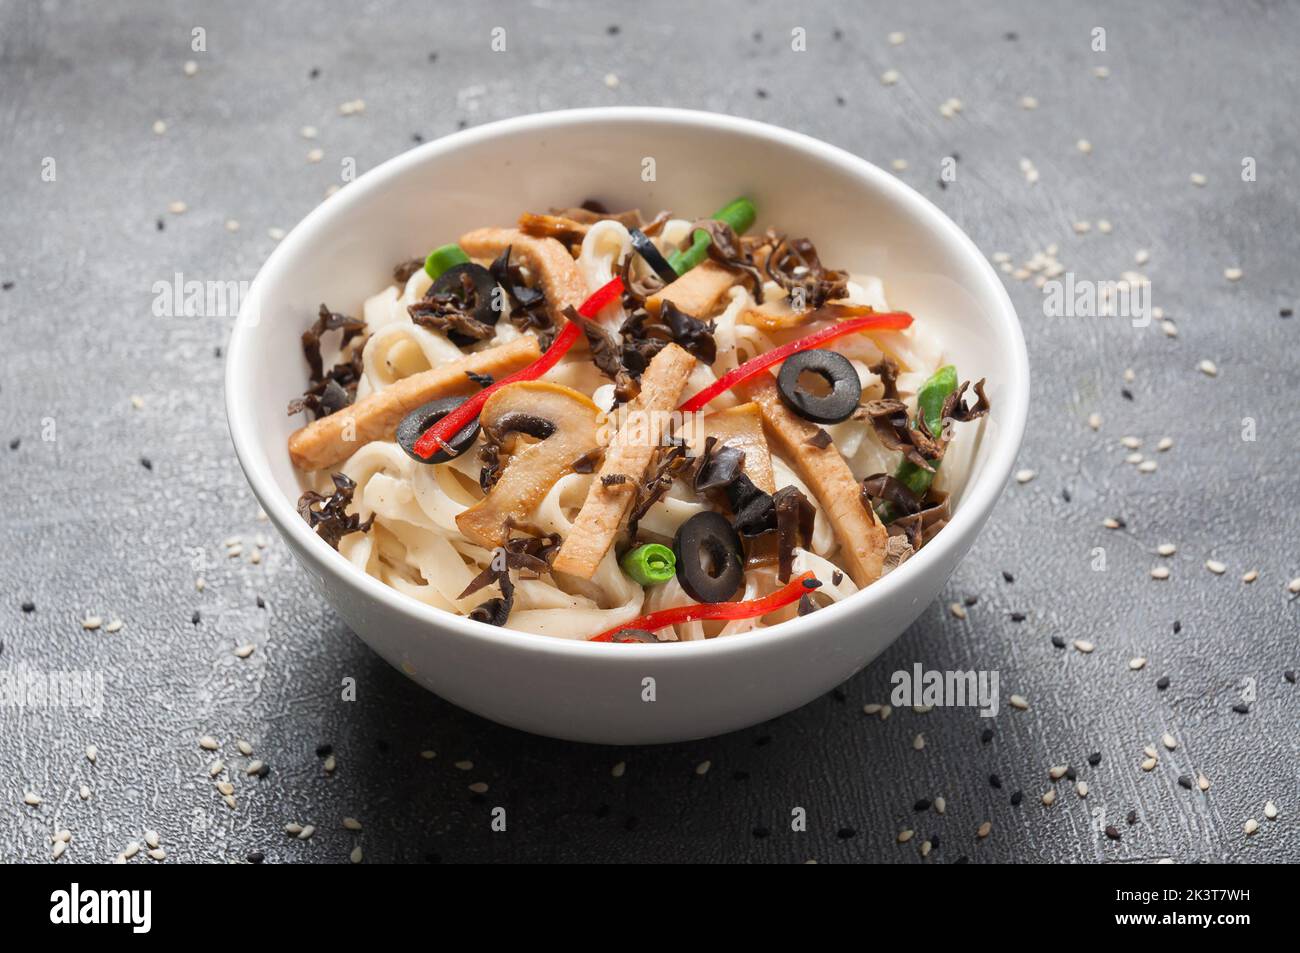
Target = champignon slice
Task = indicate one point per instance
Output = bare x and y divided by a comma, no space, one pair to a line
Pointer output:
563,423
547,259
331,440
604,513
565,230
697,292
861,535
740,427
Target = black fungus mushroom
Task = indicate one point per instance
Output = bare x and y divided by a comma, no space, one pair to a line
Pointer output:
845,388
415,423
710,561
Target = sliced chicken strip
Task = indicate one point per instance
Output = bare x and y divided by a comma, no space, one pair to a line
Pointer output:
549,261
604,512
697,292
862,537
331,440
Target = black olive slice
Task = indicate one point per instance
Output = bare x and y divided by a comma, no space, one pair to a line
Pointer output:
422,418
451,282
657,262
710,562
832,367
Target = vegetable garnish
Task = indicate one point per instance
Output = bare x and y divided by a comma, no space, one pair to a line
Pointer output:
739,214
876,321
650,565
440,259
787,594
438,436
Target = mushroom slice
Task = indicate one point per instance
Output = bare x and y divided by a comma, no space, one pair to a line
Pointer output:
563,423
547,259
604,513
740,427
861,535
697,292
771,318
565,230
331,440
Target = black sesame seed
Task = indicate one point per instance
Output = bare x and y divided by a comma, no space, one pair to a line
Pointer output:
382,745
761,832
943,185
839,100
1126,393
1289,675
1132,818
602,812
1284,313
740,775
1185,781
433,57
986,736
216,351
1017,797
1065,495
762,741
1011,35
29,606
837,34
922,804
417,137
1241,709
256,857
995,781
1178,627
1094,759
612,29
1162,683
761,93
845,833
161,225
1007,576
1017,617
261,603
971,600
324,750
462,123
1112,832
194,619
146,463
839,694
314,73
963,859
7,286
1058,641
15,443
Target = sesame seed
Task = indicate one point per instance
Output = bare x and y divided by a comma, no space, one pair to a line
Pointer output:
1185,781
209,743
702,768
131,850
151,838
1216,567
1104,226
352,107
293,829
1058,642
926,847
940,805
1149,764
1135,664
1147,466
315,155
889,77
1112,832
1131,442
1134,458
191,67
1081,789
226,788
1162,683
479,787
1169,741
216,768
896,39
984,830
309,132
1150,751
918,743
306,832
1094,421
84,793
232,225
275,234
1082,228
1197,178
617,771
1293,586
1024,476
91,753
1028,102
1270,810
1232,274
1166,549
1019,703
905,835
355,856
1111,523
958,610
114,626
254,767
1165,444
244,747
1160,572
159,127
899,165
1101,72
1170,329
1048,798
1084,146
351,824
31,799
886,711
177,207
871,709
1208,368
244,651
1251,827
1250,576
1084,646
59,848
1058,771
611,80
1142,256
90,623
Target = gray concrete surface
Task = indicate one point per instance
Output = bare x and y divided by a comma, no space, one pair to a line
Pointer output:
1192,88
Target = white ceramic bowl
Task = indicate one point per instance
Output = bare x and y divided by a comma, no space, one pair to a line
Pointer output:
860,217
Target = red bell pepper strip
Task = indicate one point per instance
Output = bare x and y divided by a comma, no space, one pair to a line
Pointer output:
790,592
436,437
882,321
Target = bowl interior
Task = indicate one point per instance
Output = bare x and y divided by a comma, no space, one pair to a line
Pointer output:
860,218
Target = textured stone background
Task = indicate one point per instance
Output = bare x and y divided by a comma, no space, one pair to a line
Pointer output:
87,529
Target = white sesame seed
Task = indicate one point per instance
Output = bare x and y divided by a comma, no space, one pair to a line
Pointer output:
926,847
1169,741
469,765
84,793
1149,764
1270,810
922,709
315,155
1208,368
1084,146
905,835
1150,751
1084,646
1165,443
1081,789
1028,102
958,610
871,709
1170,329
293,829
479,787
703,768
225,788
889,77
611,80
244,651
232,225
1251,826
91,753
90,623
1101,72
254,767
899,165
428,755
1019,702
1250,576
1133,458
1058,771
352,107
157,854
356,855
1293,586
31,799
1166,549
1216,567
1110,522
1104,226
159,127
1049,798
984,830
617,771
1147,466
216,768
209,743
1142,256
235,550
275,234
131,850
1197,178
1135,664
886,711
1094,421
1202,782
114,626
351,824
200,584
191,67
940,805
306,832
151,838
1160,572
59,848
244,747
177,207
896,39
918,743
1024,476
1082,228
1131,442
230,800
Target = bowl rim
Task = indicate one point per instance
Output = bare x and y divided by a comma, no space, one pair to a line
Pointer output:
979,496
